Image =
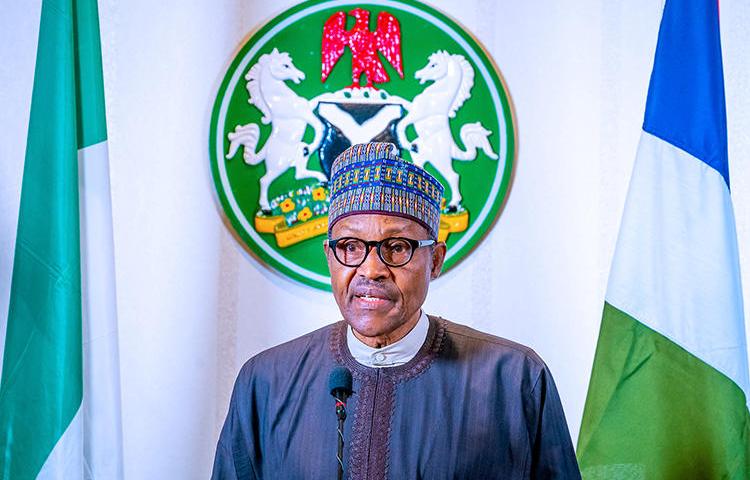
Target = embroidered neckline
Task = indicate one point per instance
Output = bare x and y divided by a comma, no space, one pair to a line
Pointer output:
421,361
393,354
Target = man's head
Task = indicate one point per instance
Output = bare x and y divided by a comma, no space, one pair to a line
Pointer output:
382,250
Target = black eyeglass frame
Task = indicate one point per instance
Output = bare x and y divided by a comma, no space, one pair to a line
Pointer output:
415,244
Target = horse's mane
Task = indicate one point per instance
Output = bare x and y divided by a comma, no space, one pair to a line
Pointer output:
467,82
253,85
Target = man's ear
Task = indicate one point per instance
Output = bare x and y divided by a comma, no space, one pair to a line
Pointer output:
438,257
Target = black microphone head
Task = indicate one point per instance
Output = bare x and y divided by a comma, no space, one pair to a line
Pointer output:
340,380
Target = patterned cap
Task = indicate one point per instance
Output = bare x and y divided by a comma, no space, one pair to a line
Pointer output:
372,178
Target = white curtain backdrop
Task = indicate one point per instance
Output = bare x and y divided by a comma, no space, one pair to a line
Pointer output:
193,305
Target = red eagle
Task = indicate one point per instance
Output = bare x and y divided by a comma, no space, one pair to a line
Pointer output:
364,45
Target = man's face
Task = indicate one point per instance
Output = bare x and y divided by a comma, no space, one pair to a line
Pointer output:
375,299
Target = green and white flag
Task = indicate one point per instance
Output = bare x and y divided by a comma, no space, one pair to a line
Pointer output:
59,391
669,388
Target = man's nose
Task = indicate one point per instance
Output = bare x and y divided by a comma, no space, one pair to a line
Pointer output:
373,267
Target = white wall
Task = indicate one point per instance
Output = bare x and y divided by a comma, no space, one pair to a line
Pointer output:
193,305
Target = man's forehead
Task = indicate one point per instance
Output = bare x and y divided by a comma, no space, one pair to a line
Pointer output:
378,223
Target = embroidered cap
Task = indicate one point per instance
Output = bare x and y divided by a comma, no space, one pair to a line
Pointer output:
372,178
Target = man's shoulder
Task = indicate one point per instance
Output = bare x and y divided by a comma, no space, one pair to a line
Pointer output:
315,342
478,340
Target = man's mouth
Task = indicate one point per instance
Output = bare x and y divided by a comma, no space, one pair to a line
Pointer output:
371,300
370,297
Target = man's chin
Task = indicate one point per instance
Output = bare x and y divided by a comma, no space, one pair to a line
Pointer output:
372,325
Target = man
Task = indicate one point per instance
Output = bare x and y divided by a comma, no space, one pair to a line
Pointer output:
432,399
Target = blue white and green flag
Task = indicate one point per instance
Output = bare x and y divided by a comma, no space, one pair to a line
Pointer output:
669,387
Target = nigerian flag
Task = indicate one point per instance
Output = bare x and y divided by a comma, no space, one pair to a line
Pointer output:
59,391
669,387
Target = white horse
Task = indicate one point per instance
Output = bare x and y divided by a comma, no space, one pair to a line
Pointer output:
430,113
289,114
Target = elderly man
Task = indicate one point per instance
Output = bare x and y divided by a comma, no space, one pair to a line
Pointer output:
432,399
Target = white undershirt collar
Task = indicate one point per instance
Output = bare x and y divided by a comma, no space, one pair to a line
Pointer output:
392,355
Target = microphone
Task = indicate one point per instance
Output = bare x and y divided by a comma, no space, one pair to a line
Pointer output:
340,385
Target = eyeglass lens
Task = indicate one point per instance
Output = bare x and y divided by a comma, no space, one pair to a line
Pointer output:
393,251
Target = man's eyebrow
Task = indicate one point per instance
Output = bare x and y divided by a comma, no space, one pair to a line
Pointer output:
388,231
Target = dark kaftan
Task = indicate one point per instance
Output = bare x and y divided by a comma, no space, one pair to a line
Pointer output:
468,406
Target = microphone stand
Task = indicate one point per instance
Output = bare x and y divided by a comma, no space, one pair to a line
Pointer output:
340,386
341,414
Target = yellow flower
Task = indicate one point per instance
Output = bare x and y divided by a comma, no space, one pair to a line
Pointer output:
287,205
304,214
319,194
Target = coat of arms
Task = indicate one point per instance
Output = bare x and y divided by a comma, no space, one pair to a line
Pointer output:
321,78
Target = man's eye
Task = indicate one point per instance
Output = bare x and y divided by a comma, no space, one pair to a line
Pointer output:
397,247
349,246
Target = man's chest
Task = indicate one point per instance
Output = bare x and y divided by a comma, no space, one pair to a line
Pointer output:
428,427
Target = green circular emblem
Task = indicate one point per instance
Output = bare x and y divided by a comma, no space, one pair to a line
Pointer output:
328,74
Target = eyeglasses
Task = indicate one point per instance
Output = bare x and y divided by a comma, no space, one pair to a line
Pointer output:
393,251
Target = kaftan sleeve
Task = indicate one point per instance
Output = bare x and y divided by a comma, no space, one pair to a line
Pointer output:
553,456
236,457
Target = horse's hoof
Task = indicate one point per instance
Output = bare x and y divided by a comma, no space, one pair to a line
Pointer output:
266,212
451,209
305,151
414,148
